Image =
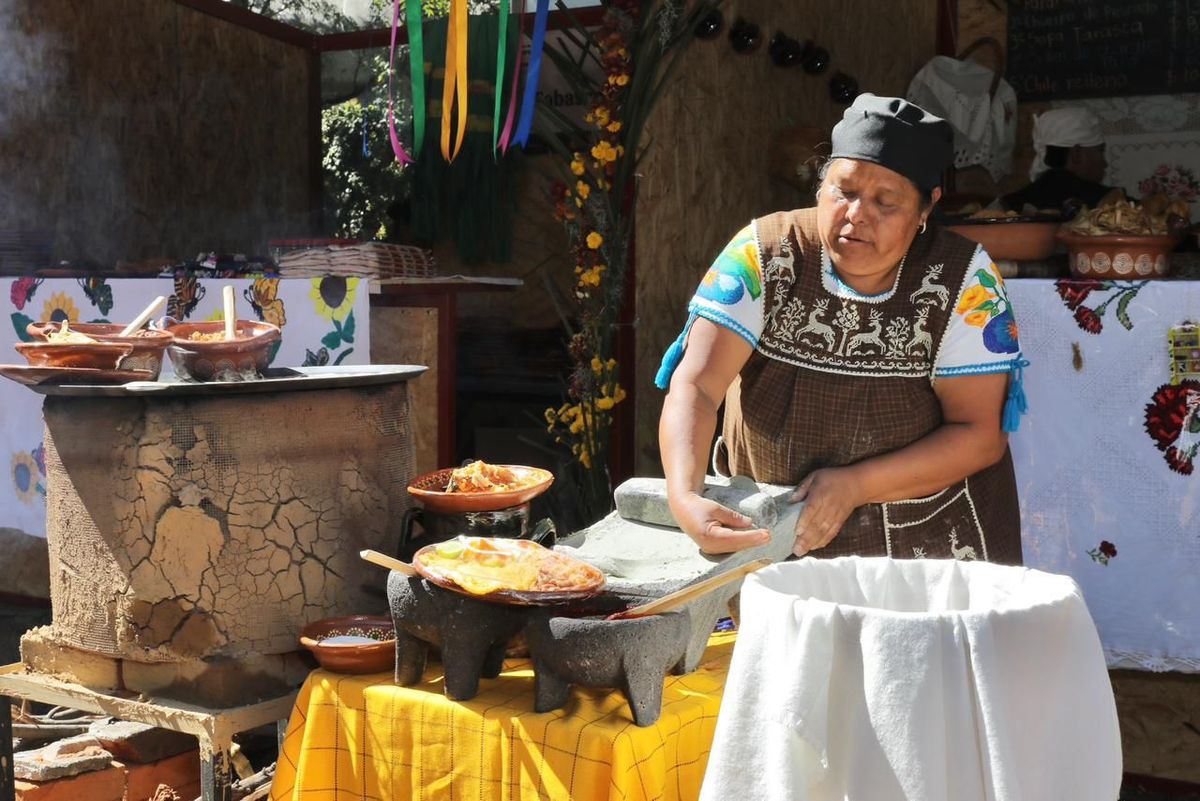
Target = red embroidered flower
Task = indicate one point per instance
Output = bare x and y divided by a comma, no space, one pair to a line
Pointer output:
22,290
1075,292
1108,549
1165,416
1088,320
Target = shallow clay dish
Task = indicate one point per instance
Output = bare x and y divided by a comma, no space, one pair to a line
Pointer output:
241,359
149,346
1118,257
374,657
64,376
592,580
430,491
1011,238
93,355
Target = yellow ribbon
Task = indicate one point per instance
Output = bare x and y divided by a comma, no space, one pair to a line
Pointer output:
455,84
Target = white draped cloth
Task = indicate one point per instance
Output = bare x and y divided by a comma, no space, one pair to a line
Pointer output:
924,680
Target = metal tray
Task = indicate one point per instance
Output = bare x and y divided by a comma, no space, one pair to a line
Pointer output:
275,379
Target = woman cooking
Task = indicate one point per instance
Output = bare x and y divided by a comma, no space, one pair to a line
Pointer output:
862,355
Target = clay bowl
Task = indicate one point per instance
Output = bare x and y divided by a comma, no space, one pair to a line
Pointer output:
149,346
241,359
92,355
1118,257
374,657
430,491
1014,241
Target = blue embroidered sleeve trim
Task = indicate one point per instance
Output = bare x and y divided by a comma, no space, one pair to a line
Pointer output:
724,320
991,368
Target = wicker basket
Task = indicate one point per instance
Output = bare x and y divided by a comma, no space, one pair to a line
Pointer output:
379,260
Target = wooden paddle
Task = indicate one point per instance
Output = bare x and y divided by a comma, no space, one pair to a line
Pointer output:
383,560
674,600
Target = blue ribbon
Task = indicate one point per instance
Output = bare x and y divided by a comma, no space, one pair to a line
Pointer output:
525,124
673,356
1015,405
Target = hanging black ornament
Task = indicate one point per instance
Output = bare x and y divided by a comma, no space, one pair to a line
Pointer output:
710,26
843,88
815,58
784,50
744,36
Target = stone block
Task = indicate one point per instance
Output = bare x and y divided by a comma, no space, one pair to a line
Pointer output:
69,757
138,743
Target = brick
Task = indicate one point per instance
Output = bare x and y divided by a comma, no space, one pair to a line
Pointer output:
101,785
139,743
179,773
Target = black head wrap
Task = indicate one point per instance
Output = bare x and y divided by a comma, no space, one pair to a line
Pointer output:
896,134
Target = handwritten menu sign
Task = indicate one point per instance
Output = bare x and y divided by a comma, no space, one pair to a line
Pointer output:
1102,48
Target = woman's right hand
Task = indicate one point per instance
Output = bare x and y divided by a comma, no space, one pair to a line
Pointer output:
715,528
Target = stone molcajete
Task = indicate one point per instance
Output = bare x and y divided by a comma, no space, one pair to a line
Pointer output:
644,556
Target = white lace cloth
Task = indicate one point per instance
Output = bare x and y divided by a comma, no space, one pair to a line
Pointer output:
935,680
1089,473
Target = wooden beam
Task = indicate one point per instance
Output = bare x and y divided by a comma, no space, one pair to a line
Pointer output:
380,37
271,28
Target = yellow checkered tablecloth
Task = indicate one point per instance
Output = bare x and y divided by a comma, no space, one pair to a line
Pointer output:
365,738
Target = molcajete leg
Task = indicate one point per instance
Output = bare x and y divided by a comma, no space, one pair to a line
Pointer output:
643,690
550,691
493,663
463,656
411,657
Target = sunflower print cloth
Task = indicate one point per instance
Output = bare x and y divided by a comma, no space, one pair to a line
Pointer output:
982,336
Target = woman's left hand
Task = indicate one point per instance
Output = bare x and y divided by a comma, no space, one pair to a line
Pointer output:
832,494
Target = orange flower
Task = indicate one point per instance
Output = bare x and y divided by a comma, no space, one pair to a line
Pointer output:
594,240
978,319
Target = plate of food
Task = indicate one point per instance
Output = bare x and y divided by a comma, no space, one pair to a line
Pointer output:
479,487
507,571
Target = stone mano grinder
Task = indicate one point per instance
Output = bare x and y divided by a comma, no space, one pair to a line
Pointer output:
645,557
444,514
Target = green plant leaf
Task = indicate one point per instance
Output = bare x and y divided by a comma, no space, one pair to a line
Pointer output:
348,328
1123,310
341,356
332,340
986,279
19,322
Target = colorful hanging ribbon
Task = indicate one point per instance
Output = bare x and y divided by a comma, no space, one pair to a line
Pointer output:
535,67
511,118
454,86
501,63
416,70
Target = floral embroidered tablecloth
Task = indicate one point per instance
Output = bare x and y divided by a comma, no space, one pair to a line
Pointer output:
1108,460
324,321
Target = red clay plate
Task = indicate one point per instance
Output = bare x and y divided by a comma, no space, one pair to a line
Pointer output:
594,582
33,376
430,491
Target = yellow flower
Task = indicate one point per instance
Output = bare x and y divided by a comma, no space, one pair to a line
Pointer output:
551,416
604,403
597,365
60,307
619,395
333,296
622,79
594,241
978,319
612,365
604,152
613,127
582,189
972,299
576,425
579,202
577,164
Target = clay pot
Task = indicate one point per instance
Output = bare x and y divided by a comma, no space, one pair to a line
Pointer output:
1118,257
709,27
93,355
241,359
149,345
374,657
745,37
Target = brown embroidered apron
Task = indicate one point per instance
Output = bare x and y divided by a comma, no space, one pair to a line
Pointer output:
838,378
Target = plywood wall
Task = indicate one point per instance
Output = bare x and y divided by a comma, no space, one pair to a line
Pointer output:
707,174
140,128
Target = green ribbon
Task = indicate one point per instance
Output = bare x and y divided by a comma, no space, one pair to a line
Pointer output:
501,63
416,70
